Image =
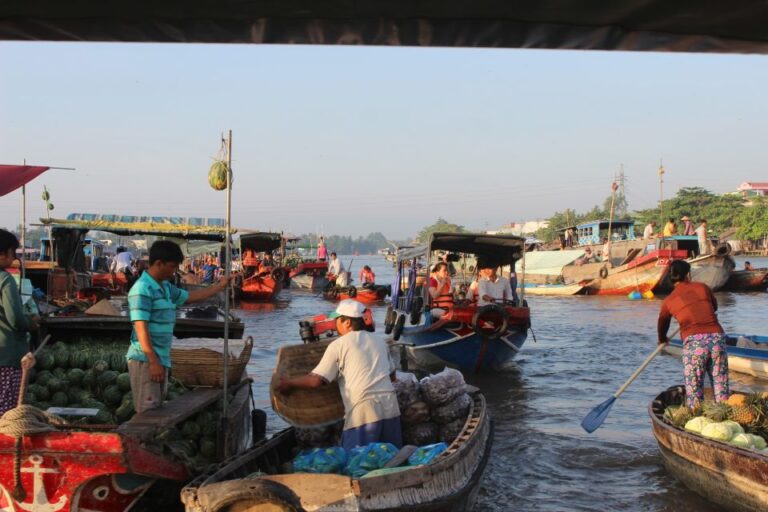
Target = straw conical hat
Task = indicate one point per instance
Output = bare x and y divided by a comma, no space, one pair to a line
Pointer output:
104,308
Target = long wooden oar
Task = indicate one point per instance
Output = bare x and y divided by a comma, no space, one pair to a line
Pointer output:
596,416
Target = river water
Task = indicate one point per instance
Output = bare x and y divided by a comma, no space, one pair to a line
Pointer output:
585,347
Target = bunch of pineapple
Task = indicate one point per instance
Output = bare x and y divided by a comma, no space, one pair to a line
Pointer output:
749,411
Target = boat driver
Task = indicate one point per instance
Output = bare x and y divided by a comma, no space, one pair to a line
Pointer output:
492,287
361,364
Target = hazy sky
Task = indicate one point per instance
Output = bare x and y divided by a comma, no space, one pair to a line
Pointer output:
349,140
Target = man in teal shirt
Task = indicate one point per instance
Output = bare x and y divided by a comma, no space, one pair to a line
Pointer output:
153,302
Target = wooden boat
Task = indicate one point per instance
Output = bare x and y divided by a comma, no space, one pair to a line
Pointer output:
747,280
641,273
449,483
714,269
108,468
746,353
260,283
367,295
309,275
467,336
734,478
553,289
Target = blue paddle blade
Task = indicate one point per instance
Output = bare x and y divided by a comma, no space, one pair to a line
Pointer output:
596,416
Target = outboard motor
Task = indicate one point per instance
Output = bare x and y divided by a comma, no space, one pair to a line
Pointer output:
307,332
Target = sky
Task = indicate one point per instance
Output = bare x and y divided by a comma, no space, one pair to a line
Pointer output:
353,140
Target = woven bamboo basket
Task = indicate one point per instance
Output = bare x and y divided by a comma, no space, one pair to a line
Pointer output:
200,366
305,407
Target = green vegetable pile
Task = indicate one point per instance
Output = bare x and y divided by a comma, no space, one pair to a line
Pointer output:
194,441
89,375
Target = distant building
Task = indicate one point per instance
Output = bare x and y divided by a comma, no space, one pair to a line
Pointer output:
516,228
750,189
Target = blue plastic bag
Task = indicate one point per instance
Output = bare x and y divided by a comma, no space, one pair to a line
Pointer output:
320,460
369,457
425,454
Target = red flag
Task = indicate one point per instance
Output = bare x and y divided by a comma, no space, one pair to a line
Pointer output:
15,176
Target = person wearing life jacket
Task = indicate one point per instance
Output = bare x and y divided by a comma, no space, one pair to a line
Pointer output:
367,277
440,290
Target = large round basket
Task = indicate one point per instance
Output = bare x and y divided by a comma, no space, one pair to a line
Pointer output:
305,407
196,365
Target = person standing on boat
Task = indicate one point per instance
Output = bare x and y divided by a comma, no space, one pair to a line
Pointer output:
670,228
322,251
14,325
568,238
701,233
694,307
209,270
152,304
361,364
492,287
337,271
687,226
367,277
440,290
649,229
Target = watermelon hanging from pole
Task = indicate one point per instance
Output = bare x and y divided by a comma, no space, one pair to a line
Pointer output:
217,175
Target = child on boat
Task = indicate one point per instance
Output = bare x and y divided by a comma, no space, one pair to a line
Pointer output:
362,365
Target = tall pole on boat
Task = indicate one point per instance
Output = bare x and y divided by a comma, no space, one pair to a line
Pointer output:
227,271
23,234
661,196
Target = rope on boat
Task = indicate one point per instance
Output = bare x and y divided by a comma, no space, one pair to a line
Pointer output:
25,420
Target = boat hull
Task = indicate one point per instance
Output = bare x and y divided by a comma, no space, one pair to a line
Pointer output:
750,361
309,275
308,282
641,275
712,270
553,289
734,478
260,288
747,280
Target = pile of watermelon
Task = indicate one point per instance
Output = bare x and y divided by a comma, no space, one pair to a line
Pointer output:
89,375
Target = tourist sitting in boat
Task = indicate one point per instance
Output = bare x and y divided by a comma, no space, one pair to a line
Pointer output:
364,370
748,266
367,277
588,257
704,351
14,325
440,290
492,288
266,264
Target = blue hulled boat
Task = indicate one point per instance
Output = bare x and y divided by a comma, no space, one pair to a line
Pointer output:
746,353
466,336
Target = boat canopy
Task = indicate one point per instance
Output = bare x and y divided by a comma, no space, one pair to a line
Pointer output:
548,263
190,228
595,231
261,242
501,249
703,26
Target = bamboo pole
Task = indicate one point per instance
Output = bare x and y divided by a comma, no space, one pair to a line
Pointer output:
227,270
614,188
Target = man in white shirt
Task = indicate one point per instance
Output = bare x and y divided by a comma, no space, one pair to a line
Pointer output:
701,233
336,269
123,261
361,364
649,229
493,288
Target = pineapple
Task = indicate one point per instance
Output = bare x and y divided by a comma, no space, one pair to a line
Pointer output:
678,415
716,411
751,412
736,399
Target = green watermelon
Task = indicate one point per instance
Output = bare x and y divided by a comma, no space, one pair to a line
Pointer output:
191,430
43,405
59,345
75,376
45,359
89,379
125,411
93,404
74,393
124,382
61,357
107,378
43,377
56,384
59,399
112,395
59,373
217,175
78,359
84,396
103,417
100,367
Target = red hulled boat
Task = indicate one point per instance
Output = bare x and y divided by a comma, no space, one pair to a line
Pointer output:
262,278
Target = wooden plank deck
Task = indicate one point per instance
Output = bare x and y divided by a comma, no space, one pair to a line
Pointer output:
149,423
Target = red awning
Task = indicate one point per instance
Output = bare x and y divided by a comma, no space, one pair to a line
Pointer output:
15,176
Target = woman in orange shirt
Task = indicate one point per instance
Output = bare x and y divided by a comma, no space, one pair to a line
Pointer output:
694,307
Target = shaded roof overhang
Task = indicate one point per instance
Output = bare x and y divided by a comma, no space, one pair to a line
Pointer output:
185,231
261,241
503,248
735,26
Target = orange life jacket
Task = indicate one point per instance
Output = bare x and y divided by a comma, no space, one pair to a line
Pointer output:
367,276
444,297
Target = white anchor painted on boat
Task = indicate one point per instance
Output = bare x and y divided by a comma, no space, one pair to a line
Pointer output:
39,497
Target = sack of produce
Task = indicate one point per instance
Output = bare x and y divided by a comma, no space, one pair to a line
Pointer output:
407,391
421,434
456,408
450,431
320,460
369,457
425,454
417,412
442,387
320,436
